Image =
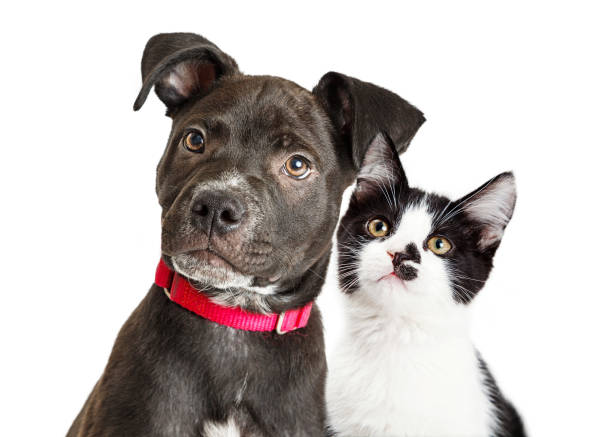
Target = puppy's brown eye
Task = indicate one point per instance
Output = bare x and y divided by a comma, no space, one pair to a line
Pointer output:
194,142
439,245
297,167
378,227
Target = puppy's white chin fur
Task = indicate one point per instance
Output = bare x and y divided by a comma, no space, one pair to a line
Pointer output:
217,277
208,275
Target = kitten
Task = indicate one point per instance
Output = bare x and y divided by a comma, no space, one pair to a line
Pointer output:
410,263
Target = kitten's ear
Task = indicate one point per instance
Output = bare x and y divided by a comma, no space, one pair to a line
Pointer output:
380,166
491,207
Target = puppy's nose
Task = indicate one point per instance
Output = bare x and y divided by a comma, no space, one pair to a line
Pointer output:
217,212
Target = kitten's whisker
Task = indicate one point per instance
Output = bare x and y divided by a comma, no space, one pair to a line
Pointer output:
457,273
315,273
468,278
460,210
347,275
468,198
440,215
350,285
352,264
382,187
463,292
349,265
349,248
384,191
350,235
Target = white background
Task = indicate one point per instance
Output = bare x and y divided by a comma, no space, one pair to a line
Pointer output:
514,85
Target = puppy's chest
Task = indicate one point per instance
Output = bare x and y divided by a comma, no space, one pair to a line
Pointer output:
193,407
400,388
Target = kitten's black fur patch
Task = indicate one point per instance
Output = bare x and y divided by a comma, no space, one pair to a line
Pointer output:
401,269
412,253
510,423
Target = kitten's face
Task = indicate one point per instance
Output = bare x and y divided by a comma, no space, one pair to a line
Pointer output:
401,246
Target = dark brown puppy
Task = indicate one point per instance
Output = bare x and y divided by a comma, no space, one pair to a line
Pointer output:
250,186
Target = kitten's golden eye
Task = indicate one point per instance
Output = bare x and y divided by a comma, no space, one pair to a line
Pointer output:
439,245
378,227
297,167
194,142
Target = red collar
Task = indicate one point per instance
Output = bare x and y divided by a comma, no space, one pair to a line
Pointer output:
180,291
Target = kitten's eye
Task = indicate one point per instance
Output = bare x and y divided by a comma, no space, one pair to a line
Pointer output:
378,227
439,245
194,142
297,167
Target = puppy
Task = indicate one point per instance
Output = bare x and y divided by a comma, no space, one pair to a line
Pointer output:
228,341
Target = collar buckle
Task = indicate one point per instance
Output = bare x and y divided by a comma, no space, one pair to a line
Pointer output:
279,324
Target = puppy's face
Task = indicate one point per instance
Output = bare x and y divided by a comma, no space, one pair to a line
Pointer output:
252,177
250,185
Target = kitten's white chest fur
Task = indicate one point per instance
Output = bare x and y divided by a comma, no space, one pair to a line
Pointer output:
393,377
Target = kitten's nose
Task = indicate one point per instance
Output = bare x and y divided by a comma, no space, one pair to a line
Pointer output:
401,262
402,269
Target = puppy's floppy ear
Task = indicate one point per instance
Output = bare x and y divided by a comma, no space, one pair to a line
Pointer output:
181,66
380,168
490,207
359,110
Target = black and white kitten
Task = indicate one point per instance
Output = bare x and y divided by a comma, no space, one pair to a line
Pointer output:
410,263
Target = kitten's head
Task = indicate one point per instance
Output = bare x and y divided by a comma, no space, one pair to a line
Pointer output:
400,245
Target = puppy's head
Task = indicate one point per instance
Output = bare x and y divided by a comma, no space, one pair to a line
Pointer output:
252,177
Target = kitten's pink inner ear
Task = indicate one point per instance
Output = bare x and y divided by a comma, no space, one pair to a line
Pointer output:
377,163
493,206
190,77
489,236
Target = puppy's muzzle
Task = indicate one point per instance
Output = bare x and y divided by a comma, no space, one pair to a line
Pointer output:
219,213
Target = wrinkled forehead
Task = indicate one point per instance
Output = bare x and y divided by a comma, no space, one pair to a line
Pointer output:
262,108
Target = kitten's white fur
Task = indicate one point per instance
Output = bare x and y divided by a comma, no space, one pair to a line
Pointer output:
406,365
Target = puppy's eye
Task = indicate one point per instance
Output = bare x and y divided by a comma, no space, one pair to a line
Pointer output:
378,227
194,142
297,167
439,245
